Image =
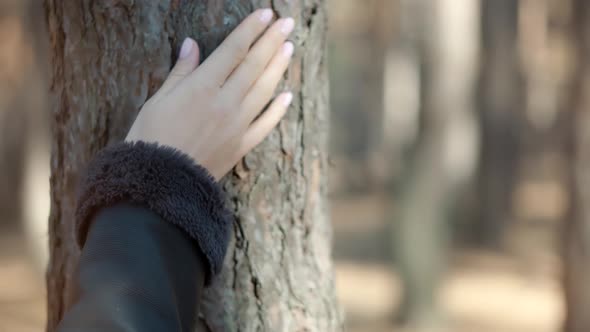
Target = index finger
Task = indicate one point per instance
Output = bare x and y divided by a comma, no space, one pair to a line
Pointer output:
220,64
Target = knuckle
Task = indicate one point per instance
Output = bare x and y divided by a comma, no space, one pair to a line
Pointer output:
255,61
277,36
179,71
240,49
204,89
207,89
177,74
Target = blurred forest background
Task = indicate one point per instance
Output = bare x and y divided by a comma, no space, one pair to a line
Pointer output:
459,180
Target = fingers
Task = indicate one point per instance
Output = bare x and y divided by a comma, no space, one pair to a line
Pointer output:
188,60
263,89
234,48
260,128
258,58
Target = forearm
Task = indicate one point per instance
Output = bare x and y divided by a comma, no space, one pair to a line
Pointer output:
136,273
153,232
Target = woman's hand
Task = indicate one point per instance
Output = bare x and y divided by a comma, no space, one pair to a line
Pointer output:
210,111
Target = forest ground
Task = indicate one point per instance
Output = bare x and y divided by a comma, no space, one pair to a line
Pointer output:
510,291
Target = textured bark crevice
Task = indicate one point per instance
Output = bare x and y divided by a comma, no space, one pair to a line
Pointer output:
108,57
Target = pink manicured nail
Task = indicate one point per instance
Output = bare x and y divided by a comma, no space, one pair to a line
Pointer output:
187,47
287,25
265,15
288,49
287,99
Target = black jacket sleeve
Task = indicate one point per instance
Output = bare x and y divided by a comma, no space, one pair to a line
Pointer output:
153,231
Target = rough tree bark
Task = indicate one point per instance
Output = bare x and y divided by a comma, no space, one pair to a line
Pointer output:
576,245
108,57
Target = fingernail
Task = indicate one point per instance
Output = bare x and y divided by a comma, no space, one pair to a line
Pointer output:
265,15
187,47
287,25
287,98
288,49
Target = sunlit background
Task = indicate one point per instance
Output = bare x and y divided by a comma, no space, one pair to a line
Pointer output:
451,163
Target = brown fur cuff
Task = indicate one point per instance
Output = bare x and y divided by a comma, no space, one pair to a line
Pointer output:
164,180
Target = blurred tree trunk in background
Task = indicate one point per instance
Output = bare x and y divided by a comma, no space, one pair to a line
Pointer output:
411,227
380,34
577,228
24,156
445,155
108,57
15,58
499,111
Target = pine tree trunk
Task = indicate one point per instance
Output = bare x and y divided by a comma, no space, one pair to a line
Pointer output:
445,155
108,57
15,59
499,102
576,233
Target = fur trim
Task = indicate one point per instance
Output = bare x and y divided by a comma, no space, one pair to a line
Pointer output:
166,181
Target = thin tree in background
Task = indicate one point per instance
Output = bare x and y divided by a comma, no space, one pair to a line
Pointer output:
499,104
380,35
445,155
576,243
108,57
16,56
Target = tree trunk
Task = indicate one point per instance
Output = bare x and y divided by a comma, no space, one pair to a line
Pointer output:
108,57
380,36
577,225
499,102
15,59
445,155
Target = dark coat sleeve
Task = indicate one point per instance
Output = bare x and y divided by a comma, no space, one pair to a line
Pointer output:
153,232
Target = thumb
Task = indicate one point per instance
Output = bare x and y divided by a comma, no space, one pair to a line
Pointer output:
188,60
